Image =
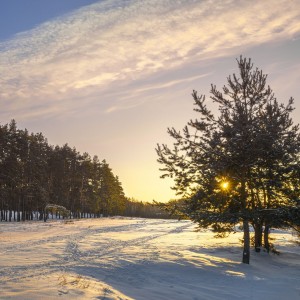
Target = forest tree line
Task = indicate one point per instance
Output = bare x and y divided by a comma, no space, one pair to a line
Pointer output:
34,174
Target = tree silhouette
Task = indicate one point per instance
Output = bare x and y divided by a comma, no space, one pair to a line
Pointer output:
241,164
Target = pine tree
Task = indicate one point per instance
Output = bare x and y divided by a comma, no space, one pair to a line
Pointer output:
239,165
35,175
110,192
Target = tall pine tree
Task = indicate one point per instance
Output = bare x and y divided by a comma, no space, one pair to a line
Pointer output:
238,165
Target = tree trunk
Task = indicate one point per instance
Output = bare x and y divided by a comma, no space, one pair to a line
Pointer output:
257,236
266,238
246,251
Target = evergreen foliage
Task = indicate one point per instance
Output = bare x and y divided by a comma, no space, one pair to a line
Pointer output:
241,164
135,208
35,176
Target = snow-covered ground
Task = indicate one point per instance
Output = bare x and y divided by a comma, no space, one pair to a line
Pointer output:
123,258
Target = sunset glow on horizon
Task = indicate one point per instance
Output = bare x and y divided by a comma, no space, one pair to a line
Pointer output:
109,77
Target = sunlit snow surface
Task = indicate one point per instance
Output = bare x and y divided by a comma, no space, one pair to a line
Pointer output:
122,258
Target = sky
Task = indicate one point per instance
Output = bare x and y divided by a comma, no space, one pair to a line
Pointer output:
109,77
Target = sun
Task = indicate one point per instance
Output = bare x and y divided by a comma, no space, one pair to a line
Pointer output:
224,185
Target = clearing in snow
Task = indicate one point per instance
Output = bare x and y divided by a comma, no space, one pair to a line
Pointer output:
131,258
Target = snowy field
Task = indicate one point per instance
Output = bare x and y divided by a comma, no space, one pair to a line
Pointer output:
123,258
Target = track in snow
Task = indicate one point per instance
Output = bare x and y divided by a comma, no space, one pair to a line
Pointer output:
70,255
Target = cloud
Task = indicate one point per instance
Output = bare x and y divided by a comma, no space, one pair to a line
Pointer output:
111,43
169,84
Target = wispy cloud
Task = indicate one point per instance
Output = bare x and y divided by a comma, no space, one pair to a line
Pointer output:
99,47
169,84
